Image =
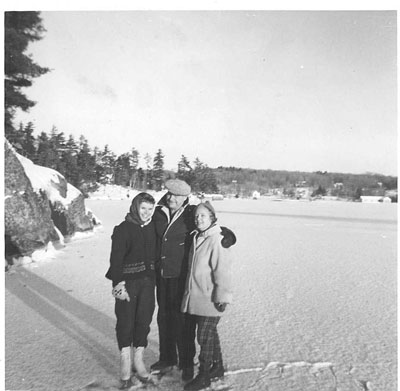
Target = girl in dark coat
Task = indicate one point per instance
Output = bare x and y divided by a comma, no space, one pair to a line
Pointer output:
133,255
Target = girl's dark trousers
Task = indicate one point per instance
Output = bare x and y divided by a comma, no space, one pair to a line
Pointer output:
134,317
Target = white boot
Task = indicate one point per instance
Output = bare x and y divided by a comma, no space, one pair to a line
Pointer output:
141,370
125,364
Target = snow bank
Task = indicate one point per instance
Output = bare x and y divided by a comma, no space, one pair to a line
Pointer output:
42,178
112,192
47,253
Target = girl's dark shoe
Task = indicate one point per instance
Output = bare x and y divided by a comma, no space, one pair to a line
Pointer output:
201,381
187,373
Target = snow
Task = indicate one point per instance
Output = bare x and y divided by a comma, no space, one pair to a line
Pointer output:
112,192
42,178
44,254
314,310
116,193
60,236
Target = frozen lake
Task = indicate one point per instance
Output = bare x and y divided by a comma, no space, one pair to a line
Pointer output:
316,283
315,302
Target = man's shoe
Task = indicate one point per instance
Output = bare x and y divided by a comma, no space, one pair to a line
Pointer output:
217,371
201,381
126,384
161,366
187,373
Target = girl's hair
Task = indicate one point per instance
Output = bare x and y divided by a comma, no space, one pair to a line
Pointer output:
145,197
210,209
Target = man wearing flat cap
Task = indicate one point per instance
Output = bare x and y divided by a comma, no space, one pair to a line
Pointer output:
174,221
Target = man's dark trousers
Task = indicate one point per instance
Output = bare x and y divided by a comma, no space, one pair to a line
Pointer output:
177,331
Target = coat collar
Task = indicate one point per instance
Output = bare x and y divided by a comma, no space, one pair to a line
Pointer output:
162,205
208,232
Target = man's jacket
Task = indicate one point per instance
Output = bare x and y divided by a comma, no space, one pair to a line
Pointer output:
174,239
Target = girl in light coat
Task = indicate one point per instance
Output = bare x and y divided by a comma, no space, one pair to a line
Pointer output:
208,290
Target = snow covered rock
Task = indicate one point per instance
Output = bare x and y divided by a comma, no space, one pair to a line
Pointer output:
39,203
28,223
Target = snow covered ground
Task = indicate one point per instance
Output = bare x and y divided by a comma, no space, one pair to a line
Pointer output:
315,303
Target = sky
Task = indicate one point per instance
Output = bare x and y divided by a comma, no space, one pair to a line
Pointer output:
297,90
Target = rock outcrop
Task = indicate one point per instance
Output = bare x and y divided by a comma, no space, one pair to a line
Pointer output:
40,206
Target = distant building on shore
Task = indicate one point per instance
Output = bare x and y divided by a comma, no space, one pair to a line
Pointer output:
256,195
375,199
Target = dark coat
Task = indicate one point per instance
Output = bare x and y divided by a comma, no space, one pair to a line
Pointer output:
174,239
133,252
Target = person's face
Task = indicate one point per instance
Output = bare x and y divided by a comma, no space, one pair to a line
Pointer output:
174,202
145,210
202,218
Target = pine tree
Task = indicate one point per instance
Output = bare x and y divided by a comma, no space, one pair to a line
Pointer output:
98,168
16,138
158,170
43,148
20,29
47,154
134,162
141,178
185,171
148,177
86,164
28,142
204,178
107,159
69,158
57,146
123,170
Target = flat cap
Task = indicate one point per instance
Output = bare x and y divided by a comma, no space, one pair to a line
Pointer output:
178,187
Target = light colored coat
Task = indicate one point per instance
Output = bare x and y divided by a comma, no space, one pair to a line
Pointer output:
209,278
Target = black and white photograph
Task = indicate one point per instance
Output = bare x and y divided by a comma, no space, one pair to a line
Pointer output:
200,196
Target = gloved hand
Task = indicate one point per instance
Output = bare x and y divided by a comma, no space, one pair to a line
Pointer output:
220,306
229,238
120,292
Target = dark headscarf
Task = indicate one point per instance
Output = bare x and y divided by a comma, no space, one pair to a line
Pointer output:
133,215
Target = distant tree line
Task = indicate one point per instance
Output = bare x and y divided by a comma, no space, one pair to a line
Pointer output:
86,167
243,181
